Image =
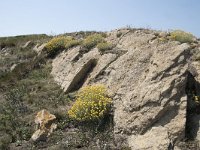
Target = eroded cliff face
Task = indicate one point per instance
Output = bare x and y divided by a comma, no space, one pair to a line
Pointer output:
146,78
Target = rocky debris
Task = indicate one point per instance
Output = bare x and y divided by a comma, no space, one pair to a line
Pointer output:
147,80
45,126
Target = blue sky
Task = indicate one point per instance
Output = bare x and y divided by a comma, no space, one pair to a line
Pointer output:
19,17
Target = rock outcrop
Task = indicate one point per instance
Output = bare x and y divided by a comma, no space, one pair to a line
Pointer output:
147,79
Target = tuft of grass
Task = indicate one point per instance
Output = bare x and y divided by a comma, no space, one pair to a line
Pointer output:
92,40
182,36
103,46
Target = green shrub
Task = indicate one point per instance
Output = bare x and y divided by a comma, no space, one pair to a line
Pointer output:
92,40
92,103
182,36
103,46
72,43
56,45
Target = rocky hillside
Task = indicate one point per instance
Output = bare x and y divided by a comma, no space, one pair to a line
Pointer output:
151,76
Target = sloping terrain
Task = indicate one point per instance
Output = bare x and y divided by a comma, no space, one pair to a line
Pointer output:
26,87
152,79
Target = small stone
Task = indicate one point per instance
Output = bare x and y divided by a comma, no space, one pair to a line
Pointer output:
13,67
44,121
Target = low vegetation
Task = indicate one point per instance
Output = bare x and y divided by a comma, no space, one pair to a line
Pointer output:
30,88
57,44
182,36
22,39
72,43
92,103
103,46
92,40
27,89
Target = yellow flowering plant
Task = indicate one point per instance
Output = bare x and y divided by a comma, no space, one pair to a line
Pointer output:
92,103
59,43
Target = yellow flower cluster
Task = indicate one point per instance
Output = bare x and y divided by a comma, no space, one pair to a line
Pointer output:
92,103
182,36
59,43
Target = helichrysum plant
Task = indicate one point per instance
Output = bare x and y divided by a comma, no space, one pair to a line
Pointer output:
92,40
182,36
92,103
59,43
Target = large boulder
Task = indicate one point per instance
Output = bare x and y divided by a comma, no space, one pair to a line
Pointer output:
149,85
147,79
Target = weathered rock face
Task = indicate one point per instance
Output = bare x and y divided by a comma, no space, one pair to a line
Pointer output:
147,80
71,73
150,139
